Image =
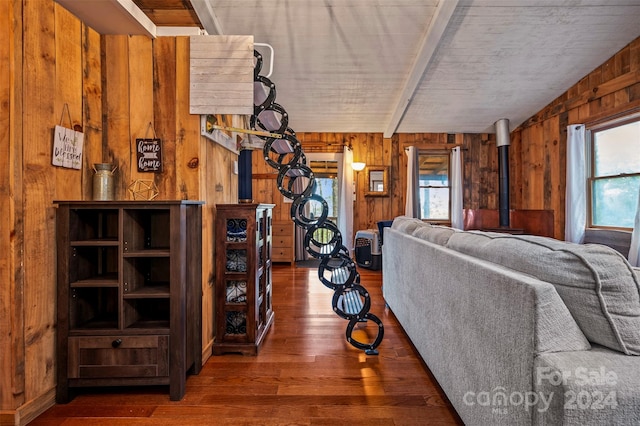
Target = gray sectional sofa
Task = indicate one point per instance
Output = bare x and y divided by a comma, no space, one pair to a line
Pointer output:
519,330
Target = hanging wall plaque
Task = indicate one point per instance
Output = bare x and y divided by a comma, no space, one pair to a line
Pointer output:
67,145
149,152
149,155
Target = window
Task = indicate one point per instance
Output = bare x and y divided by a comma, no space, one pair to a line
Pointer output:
615,174
326,174
434,189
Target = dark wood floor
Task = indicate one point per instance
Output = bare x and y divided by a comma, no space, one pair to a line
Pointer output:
306,374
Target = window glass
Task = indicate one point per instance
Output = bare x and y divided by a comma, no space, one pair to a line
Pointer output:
434,203
615,201
326,180
327,188
617,150
615,177
434,190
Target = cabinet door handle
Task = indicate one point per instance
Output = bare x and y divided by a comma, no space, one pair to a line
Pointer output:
116,343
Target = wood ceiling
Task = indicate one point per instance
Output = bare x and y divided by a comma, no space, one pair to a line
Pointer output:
413,66
171,13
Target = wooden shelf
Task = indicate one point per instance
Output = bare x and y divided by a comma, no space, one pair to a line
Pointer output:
110,280
129,294
155,291
107,242
148,253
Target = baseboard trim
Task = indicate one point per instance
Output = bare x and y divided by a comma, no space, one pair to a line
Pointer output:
206,352
29,410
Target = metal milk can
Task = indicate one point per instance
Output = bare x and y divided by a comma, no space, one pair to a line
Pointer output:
103,181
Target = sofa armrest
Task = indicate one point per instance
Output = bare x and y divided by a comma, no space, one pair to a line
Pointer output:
477,325
595,387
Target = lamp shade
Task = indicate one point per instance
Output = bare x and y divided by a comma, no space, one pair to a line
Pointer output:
357,166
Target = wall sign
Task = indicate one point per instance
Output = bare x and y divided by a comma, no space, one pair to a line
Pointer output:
149,155
67,148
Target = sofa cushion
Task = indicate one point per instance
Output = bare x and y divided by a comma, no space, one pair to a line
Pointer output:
425,231
595,282
406,224
434,233
422,232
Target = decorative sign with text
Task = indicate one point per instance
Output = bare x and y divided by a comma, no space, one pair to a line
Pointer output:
67,148
149,153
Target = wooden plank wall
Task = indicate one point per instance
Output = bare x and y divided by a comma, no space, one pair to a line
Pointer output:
480,164
56,38
50,62
148,82
480,170
538,150
39,186
92,117
128,106
11,212
113,87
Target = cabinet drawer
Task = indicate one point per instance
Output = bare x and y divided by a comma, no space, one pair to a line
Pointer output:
283,242
118,356
282,228
282,254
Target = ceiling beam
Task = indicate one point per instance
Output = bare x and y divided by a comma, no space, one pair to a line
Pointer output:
428,45
207,16
111,16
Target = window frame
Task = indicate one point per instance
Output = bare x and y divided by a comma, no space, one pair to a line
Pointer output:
436,152
591,165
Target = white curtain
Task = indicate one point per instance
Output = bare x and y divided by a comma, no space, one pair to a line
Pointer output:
634,250
411,207
576,195
457,218
345,203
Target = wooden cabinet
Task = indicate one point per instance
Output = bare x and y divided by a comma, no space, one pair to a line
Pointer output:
129,294
283,249
243,291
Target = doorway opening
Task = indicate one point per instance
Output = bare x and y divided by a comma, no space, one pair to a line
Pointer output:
327,170
326,174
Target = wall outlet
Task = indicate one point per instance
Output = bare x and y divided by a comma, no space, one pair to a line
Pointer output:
235,167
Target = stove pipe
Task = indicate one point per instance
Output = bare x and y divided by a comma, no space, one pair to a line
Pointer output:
503,141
